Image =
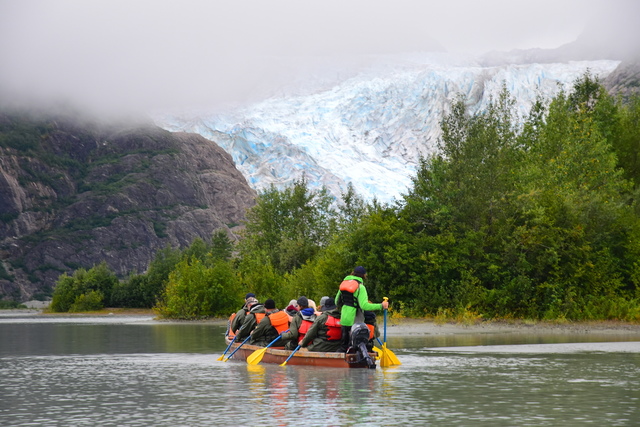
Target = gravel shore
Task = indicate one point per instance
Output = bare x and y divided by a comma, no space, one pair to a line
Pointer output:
418,327
399,327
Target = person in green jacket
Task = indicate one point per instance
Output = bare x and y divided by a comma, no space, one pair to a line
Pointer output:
352,299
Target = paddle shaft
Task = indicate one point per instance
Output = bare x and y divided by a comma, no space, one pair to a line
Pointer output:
277,338
290,356
385,322
228,347
255,357
234,351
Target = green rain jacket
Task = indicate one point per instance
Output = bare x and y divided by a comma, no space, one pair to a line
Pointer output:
316,337
250,322
349,313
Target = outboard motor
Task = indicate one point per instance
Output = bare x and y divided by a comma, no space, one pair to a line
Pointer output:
359,341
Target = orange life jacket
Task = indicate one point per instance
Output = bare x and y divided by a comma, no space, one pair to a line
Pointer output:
347,291
230,333
349,286
279,320
259,317
304,328
372,330
334,329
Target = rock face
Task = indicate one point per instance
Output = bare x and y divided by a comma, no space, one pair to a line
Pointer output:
73,195
625,80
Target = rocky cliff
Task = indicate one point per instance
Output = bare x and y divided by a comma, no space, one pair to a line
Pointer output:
73,194
625,80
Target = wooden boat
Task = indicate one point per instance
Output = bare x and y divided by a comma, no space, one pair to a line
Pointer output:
302,357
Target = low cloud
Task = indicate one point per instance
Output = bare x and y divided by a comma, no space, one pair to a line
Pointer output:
148,54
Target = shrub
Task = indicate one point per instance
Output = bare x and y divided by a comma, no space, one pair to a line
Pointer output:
76,293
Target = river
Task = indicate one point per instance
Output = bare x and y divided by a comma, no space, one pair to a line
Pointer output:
133,371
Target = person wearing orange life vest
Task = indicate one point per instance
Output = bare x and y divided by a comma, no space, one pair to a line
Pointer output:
374,332
300,323
237,318
251,320
352,299
325,334
272,324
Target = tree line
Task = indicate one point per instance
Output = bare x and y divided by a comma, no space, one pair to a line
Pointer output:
511,218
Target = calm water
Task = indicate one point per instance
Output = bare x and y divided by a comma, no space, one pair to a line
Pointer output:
135,372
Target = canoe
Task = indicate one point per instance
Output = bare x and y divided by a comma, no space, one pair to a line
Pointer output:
302,357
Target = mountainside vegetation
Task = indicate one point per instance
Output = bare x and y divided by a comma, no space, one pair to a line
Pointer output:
537,220
75,192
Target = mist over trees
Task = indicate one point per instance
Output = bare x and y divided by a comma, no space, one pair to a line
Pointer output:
532,220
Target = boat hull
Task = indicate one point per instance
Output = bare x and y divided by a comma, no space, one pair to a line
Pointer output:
302,357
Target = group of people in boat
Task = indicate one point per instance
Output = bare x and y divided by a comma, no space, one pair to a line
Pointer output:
346,323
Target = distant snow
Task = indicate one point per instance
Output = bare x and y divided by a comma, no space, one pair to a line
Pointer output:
370,129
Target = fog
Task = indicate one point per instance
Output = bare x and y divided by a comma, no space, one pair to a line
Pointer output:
155,54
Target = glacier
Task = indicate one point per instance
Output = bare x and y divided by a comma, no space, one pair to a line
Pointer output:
370,128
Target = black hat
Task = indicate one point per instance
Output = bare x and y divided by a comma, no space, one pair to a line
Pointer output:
269,304
250,295
329,305
359,271
303,302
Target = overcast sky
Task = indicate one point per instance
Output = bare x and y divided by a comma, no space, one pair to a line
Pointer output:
162,54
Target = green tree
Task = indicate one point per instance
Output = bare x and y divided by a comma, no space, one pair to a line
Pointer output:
85,290
221,245
626,143
195,290
157,275
131,293
289,225
525,221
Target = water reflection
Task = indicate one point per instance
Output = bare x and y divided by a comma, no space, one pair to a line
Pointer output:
70,338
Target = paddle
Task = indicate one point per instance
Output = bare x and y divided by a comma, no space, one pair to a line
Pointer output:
257,355
228,347
392,359
290,356
388,358
234,351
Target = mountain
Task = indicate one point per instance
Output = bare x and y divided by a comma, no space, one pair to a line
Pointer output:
624,81
370,129
74,193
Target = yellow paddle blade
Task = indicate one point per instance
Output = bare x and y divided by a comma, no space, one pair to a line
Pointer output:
385,362
256,356
221,357
393,359
378,352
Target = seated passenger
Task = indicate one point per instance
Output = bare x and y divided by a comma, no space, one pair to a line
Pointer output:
322,302
299,324
272,324
251,320
292,309
238,317
372,324
325,334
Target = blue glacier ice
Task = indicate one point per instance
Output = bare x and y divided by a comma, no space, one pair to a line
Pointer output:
371,128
